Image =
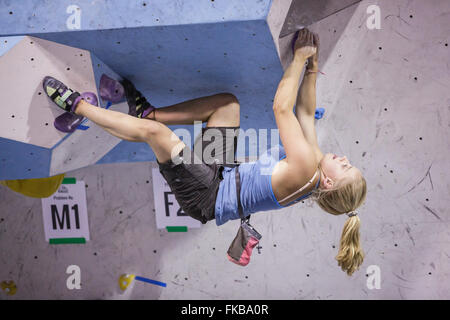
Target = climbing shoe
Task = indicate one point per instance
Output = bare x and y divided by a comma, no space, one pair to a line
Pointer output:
61,95
138,105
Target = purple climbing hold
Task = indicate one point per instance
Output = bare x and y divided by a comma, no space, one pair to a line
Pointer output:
90,97
68,121
110,89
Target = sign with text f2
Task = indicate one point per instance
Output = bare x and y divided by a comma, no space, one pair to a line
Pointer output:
65,214
167,210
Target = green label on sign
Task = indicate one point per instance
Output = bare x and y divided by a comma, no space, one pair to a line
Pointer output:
69,181
177,229
67,240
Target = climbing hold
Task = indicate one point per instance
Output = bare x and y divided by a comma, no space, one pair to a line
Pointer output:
110,89
9,287
125,280
68,121
319,113
35,188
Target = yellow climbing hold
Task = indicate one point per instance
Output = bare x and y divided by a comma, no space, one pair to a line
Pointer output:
35,188
9,287
125,280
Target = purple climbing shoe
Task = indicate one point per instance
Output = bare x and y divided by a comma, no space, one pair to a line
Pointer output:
61,95
110,89
69,121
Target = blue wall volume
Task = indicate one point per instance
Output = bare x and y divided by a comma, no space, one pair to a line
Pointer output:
172,53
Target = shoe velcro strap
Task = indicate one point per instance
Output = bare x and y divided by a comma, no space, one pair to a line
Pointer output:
66,95
141,100
54,95
73,97
146,105
70,100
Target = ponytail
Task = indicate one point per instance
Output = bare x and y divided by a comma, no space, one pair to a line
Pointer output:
344,198
350,255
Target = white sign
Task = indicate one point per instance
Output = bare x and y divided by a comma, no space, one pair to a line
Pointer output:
65,213
167,210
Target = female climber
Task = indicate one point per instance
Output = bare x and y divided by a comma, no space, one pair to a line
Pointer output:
282,176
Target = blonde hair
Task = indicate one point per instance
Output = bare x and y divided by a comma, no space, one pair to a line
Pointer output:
345,197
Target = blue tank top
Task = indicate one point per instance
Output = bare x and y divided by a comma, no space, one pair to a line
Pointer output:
256,187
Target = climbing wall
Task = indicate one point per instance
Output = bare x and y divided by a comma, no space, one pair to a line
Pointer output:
160,46
385,92
31,146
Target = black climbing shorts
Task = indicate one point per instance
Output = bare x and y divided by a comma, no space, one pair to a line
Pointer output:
194,175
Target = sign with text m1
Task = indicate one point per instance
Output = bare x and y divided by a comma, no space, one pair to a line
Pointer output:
65,214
